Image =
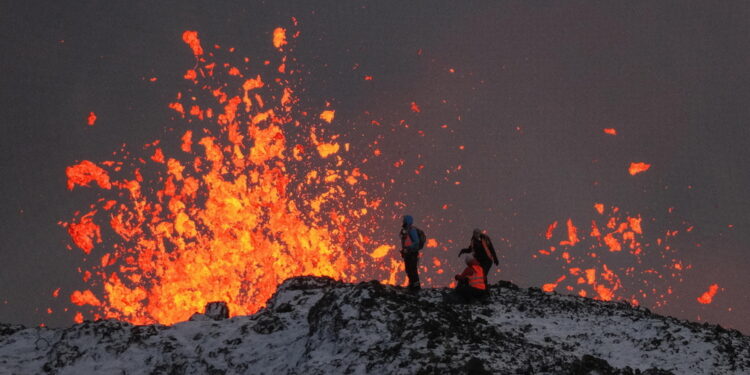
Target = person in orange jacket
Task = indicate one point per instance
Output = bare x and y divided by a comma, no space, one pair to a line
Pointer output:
472,284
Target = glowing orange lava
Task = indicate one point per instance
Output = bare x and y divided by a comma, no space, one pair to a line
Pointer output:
85,172
636,168
551,286
231,206
84,298
327,116
572,235
615,238
415,108
191,38
708,296
279,37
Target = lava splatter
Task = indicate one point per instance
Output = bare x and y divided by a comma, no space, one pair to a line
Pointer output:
231,206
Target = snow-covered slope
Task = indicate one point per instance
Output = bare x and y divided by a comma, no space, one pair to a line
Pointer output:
320,326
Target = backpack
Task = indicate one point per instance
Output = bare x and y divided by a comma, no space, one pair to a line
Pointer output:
422,238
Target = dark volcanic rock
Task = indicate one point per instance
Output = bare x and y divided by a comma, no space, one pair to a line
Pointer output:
217,310
316,325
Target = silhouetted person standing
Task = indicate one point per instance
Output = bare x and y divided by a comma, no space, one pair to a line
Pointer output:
410,251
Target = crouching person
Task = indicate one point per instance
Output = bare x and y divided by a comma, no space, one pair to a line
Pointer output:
471,284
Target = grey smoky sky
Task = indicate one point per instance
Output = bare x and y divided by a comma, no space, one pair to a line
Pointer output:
534,84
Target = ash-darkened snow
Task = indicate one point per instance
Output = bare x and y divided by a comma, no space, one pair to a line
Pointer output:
321,326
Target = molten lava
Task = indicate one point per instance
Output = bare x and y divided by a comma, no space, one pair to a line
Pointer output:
614,239
636,168
708,297
228,208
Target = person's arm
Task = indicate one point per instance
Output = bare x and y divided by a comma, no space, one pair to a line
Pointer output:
488,241
468,250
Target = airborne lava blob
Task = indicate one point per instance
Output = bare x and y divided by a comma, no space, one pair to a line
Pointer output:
639,167
251,190
707,297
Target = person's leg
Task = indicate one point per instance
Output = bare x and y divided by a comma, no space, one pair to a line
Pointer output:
478,294
407,267
415,269
463,293
486,268
411,263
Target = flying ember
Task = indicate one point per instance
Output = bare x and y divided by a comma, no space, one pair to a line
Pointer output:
636,168
91,119
252,185
611,262
249,189
708,297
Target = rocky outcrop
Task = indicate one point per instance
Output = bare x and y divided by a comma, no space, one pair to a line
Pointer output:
213,311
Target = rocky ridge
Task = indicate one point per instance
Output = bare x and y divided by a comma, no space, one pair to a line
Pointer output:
317,325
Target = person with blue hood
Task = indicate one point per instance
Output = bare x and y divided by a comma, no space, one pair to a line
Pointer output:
410,251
